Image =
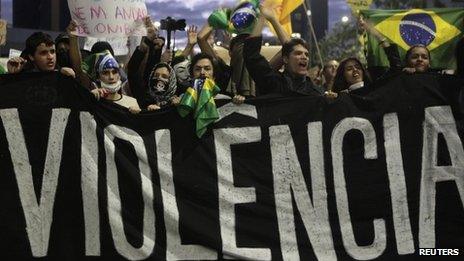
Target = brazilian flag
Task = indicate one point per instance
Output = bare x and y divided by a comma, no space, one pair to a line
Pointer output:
188,102
206,111
438,29
199,100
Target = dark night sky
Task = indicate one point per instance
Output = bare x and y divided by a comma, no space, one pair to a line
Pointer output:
196,11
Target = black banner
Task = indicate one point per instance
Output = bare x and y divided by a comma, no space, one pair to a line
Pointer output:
356,178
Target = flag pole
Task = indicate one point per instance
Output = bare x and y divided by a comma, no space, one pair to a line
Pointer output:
311,27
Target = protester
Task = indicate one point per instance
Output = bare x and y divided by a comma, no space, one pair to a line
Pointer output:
352,77
159,88
232,80
328,74
417,59
293,80
40,56
203,66
181,63
62,50
162,87
107,84
181,66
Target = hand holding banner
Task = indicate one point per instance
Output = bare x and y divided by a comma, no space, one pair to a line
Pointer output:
108,18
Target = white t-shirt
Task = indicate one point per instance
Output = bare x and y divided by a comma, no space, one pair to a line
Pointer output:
127,101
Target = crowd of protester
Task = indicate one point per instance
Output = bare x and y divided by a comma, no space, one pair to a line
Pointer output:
155,78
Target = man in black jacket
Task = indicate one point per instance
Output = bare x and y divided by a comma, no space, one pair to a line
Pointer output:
293,81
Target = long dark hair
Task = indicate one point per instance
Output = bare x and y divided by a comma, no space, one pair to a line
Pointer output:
340,82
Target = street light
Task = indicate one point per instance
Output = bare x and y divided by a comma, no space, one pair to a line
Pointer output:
345,19
308,13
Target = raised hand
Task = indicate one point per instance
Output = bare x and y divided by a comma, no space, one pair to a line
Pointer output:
192,34
166,57
15,64
72,28
152,32
267,11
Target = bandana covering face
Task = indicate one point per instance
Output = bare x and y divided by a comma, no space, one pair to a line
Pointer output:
112,88
161,91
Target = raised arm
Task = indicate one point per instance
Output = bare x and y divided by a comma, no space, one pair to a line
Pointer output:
268,13
267,80
203,36
192,40
391,50
75,56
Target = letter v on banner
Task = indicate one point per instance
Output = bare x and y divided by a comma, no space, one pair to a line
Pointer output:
39,216
289,177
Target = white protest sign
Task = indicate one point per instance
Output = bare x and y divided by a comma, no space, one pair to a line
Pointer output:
14,53
119,45
108,18
2,32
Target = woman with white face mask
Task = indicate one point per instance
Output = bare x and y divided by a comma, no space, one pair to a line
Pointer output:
108,78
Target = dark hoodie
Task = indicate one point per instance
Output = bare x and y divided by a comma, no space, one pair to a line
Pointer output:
269,81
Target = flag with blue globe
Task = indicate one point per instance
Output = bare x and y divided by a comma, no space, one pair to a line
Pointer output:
240,19
438,29
244,17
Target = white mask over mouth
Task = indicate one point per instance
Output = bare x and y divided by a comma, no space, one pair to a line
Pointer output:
112,88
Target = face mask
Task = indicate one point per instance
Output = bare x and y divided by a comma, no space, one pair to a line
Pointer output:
182,72
112,88
160,85
62,58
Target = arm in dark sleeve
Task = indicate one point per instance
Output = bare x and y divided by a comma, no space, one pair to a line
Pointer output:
134,75
393,57
223,75
266,79
154,57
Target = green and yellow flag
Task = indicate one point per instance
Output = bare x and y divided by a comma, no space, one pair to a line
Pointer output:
438,29
206,111
188,102
199,99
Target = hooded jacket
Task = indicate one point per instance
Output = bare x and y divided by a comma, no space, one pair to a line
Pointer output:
153,96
